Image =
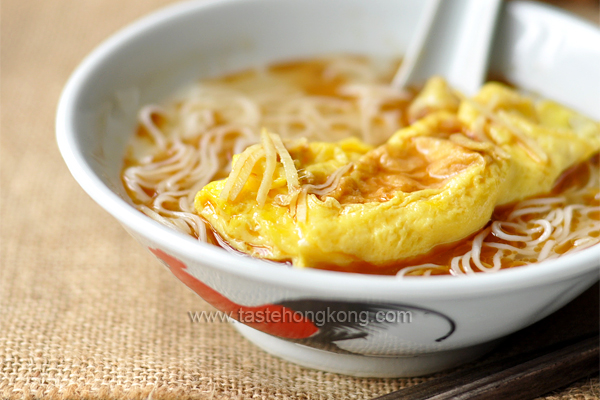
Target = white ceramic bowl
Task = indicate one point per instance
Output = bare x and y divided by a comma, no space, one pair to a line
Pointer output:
452,320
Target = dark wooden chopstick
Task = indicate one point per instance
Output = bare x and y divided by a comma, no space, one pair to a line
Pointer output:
521,377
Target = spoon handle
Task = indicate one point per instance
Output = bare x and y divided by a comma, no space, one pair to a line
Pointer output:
452,40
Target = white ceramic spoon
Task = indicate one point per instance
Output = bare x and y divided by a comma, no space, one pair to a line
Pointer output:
452,40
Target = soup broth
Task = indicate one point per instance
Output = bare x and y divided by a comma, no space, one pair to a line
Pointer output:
181,146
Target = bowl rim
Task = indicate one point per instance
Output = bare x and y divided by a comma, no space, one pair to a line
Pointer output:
334,283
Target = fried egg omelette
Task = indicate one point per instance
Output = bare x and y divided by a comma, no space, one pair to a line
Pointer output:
432,183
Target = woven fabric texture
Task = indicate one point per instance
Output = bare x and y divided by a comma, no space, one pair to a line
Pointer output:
85,312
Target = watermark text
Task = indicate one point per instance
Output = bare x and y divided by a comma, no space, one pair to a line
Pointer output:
318,318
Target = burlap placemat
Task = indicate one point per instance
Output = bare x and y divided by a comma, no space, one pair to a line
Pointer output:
85,312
